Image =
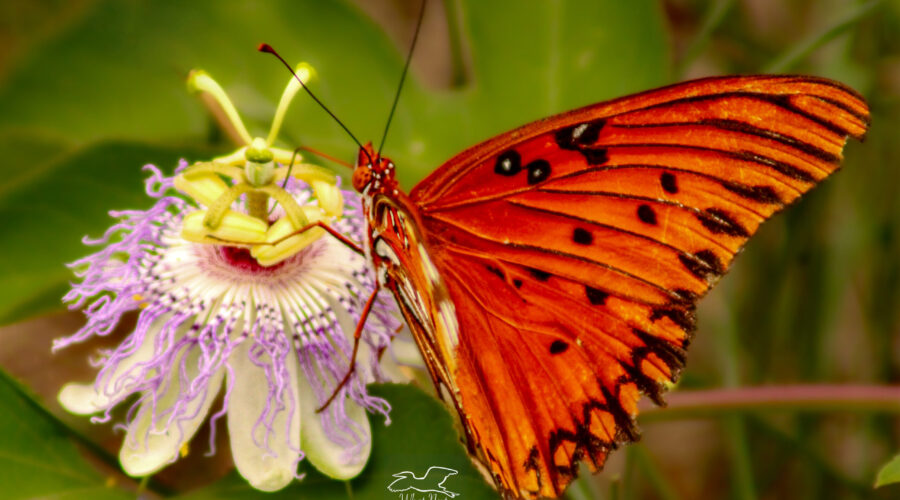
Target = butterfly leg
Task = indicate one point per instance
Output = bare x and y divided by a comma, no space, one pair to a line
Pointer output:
357,334
352,245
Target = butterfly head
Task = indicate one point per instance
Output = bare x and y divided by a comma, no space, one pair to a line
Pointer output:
373,172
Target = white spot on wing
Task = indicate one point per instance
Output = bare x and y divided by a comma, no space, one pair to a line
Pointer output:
448,317
576,133
383,250
430,271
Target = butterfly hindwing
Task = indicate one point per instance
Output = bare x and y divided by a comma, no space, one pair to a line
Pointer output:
574,250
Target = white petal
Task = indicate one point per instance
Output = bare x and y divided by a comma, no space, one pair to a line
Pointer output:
85,399
329,457
82,399
144,453
247,401
398,364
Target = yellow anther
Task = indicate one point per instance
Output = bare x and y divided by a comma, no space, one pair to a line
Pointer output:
235,228
268,255
183,451
222,204
205,187
137,297
330,198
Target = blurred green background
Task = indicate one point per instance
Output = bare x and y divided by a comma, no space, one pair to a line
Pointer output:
91,90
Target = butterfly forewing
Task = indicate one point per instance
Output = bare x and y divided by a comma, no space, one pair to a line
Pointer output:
574,249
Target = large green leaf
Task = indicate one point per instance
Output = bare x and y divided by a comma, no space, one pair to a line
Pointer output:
37,458
420,435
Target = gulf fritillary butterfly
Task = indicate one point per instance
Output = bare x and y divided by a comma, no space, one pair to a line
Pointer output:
549,275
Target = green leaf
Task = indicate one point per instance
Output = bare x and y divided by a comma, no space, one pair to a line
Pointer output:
889,473
421,435
37,458
48,207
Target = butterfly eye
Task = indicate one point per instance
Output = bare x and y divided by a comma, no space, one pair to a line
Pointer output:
361,177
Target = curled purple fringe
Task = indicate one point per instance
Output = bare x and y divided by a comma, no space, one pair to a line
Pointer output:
181,350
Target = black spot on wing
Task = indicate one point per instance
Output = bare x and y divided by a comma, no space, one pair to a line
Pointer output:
538,171
684,296
646,214
582,236
668,182
576,137
558,347
673,356
595,297
703,264
760,194
720,222
595,157
531,463
495,271
580,137
779,166
681,316
509,163
538,274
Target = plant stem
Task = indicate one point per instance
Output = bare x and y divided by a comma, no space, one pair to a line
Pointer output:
688,404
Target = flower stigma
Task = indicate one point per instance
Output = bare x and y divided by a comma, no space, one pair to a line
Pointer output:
252,174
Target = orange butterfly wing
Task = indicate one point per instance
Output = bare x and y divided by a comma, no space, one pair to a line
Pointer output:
574,250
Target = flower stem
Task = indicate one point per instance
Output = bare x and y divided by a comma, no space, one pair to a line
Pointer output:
691,404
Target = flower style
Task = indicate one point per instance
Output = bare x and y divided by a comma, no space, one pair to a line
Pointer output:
230,301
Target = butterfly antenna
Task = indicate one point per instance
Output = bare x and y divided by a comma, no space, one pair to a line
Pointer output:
264,47
403,75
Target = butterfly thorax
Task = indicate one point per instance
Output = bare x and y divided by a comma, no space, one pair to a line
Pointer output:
398,250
